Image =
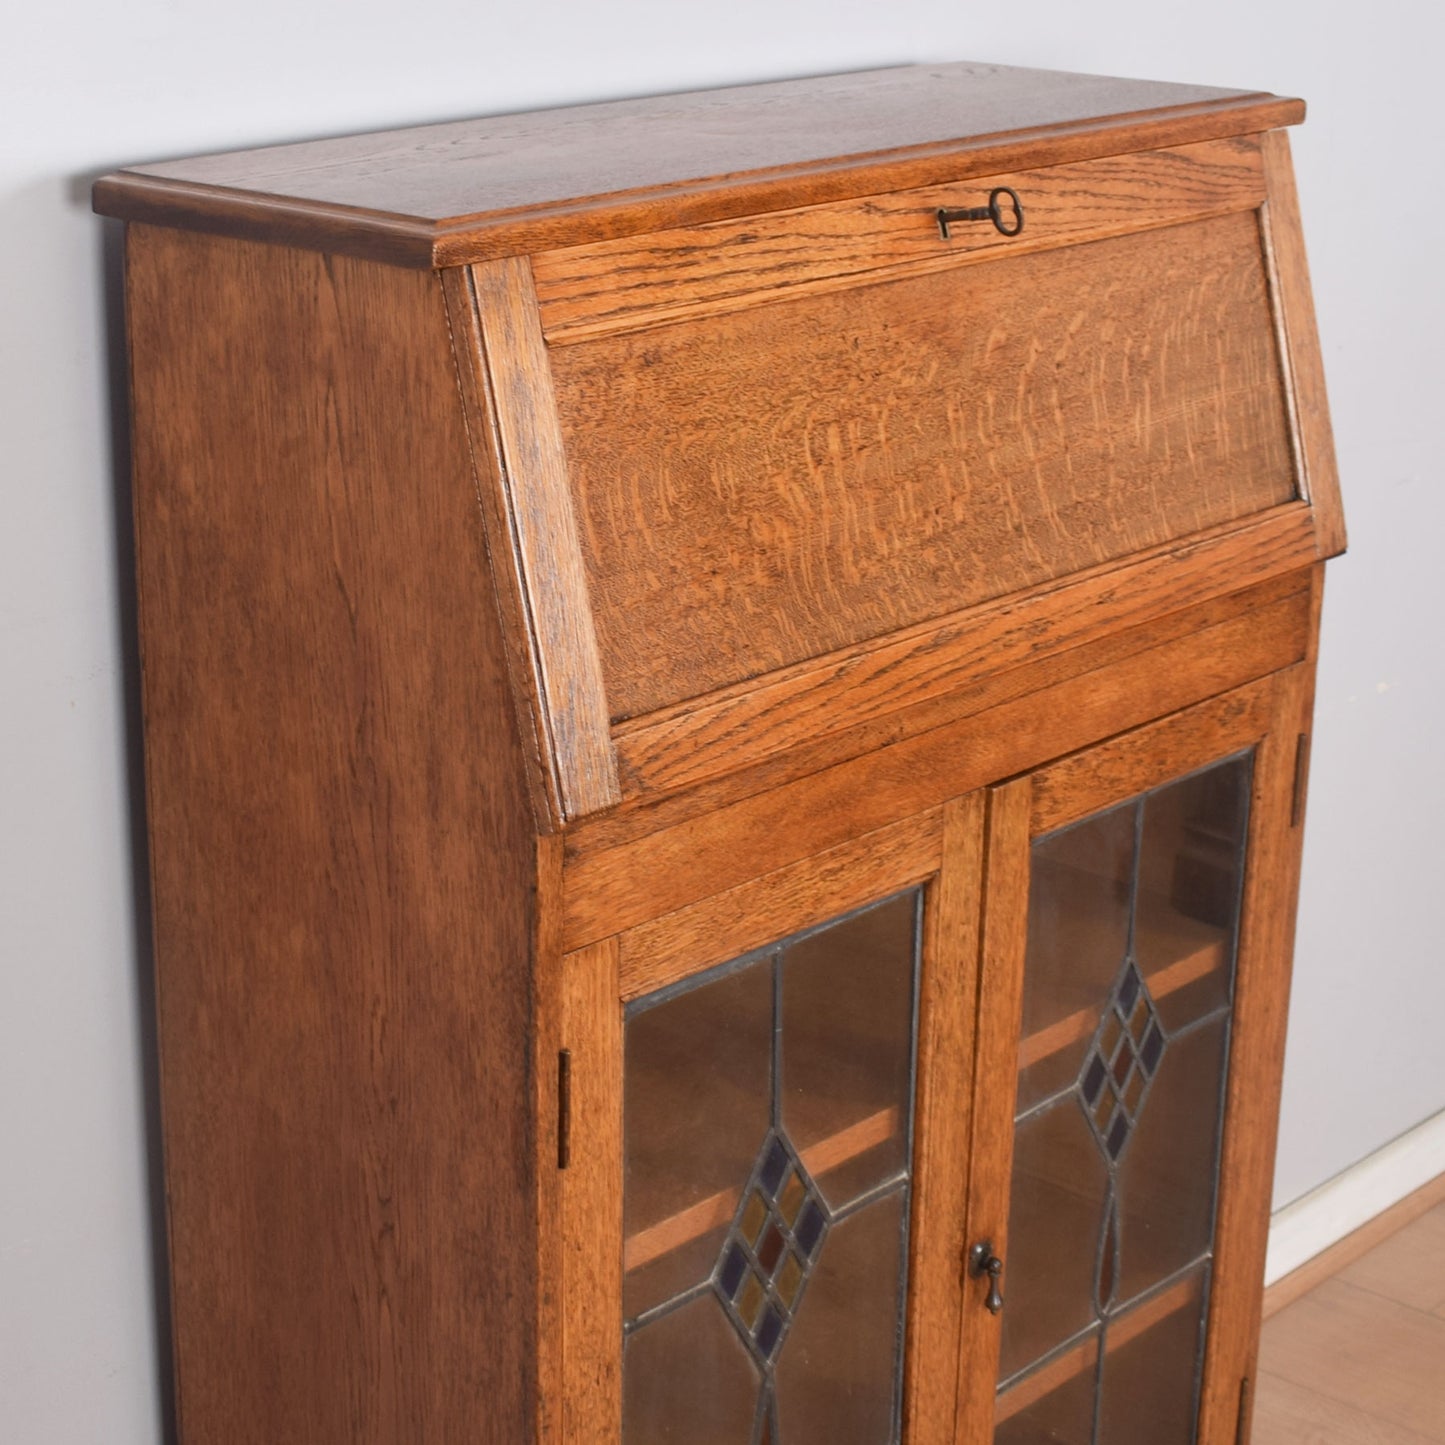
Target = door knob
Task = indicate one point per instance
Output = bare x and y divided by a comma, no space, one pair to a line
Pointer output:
982,1261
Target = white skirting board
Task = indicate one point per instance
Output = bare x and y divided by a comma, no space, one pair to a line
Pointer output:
1341,1205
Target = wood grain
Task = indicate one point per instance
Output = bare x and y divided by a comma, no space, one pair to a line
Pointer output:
1363,1352
730,923
532,532
1150,756
618,884
1400,1256
756,489
640,281
1000,1020
485,446
943,1112
1289,1414
1367,1239
1300,346
1408,1266
342,892
1261,1003
492,681
591,1190
910,681
549,1036
638,816
470,190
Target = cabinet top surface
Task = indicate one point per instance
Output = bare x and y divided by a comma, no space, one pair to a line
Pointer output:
465,190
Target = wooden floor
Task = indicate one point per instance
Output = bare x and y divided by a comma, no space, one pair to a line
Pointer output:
1360,1359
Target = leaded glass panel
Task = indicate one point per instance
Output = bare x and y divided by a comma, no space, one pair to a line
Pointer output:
768,1143
1128,984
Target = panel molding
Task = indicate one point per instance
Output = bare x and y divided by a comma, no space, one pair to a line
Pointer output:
532,535
726,925
637,282
1002,939
708,850
915,679
590,1193
1256,1062
758,489
1299,344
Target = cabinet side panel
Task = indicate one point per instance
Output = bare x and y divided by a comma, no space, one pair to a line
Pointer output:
343,857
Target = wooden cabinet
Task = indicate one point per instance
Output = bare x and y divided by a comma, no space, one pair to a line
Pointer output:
727,683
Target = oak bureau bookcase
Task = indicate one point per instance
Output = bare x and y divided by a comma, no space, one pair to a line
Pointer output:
727,689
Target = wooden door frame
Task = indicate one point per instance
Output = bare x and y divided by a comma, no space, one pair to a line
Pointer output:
1272,717
940,849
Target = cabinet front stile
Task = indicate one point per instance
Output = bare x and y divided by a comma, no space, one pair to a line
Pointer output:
764,1099
1134,974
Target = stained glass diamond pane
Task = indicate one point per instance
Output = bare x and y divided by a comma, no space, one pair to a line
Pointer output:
770,1332
1130,1037
1139,1019
810,1227
775,1164
778,1264
730,1274
1118,1136
790,1279
1128,989
750,1306
1153,1047
791,1199
1109,1037
770,1251
1104,1111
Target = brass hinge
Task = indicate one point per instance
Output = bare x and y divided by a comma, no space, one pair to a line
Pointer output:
1242,1420
564,1108
1301,776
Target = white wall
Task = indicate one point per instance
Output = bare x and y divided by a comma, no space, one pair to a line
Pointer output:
91,85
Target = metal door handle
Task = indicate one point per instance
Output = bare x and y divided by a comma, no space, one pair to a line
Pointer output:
982,1261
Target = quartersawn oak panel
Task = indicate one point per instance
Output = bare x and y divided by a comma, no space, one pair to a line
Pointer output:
757,488
343,859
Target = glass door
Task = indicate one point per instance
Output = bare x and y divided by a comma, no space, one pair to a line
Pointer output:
1128,980
767,1134
1120,1008
763,1195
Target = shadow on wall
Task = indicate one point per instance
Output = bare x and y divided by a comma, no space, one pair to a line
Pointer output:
110,260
